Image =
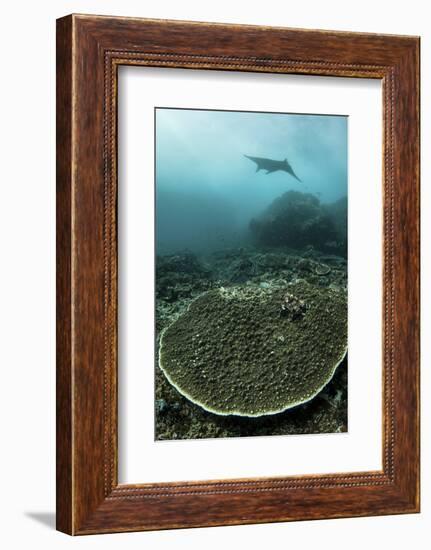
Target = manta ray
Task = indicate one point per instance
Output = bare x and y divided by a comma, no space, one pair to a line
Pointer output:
271,165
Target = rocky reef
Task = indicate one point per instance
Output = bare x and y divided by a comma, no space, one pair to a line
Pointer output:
253,350
298,220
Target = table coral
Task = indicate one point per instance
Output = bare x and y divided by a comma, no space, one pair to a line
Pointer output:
234,352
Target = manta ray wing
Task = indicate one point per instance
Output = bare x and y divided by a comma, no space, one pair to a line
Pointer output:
261,163
257,160
292,173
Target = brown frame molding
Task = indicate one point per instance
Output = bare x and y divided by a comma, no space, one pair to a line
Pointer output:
89,51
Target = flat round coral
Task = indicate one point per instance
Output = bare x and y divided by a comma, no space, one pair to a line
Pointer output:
252,351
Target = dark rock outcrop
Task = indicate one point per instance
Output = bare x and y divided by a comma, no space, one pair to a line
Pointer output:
298,220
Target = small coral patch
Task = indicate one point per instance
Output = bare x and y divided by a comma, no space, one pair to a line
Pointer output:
253,351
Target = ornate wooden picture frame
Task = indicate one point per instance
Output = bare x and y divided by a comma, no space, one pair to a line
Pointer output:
89,51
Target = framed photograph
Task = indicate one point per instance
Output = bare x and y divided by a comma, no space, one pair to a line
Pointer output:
237,274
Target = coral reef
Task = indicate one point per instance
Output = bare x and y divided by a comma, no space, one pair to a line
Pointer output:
292,307
179,418
298,220
180,276
186,276
236,351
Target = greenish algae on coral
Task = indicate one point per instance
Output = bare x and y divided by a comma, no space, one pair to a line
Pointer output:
237,351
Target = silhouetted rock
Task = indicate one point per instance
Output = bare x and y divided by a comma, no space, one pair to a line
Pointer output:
298,220
337,211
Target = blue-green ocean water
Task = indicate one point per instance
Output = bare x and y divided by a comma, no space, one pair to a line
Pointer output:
207,191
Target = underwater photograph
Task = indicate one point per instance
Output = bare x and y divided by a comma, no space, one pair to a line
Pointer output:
251,273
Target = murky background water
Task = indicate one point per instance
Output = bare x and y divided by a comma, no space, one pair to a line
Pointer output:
208,191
